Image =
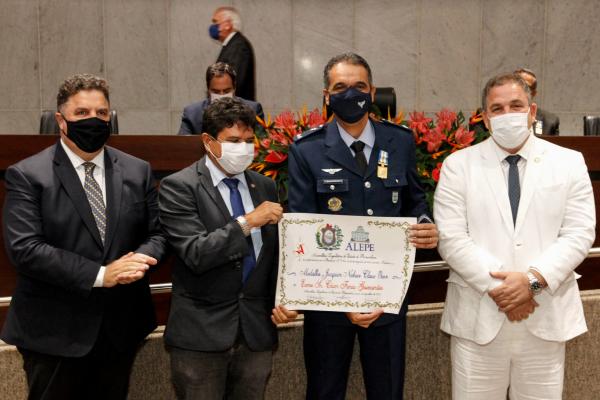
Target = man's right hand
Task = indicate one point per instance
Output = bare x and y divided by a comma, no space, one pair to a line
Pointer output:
522,311
267,213
127,269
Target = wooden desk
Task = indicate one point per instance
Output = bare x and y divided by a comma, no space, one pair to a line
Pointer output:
171,153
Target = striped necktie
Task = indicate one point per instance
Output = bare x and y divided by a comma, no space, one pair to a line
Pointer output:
94,196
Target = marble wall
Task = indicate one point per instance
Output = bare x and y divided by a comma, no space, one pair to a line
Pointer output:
435,53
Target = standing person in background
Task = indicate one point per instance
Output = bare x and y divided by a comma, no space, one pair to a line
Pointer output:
237,51
81,229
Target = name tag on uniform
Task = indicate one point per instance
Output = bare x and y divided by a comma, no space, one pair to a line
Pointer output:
382,165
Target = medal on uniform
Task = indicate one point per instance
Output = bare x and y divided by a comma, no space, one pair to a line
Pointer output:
382,165
334,204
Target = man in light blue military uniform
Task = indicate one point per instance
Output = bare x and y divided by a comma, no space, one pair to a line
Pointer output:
356,166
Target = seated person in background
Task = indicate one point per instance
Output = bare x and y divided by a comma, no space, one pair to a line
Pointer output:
545,123
220,82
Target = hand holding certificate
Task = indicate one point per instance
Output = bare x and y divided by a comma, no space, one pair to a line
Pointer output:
344,263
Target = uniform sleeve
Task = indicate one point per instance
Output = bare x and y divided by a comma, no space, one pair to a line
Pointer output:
302,195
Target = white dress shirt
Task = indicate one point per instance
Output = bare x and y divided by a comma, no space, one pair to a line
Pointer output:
228,38
217,177
99,176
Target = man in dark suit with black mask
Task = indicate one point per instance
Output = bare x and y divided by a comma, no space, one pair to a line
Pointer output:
220,82
237,50
81,229
220,219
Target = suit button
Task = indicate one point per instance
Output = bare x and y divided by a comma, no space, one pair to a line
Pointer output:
370,212
238,265
368,185
332,187
241,296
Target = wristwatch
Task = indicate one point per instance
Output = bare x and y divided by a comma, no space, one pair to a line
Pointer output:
241,220
534,284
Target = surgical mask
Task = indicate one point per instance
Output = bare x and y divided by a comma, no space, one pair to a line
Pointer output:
350,105
235,157
216,96
213,31
88,134
510,130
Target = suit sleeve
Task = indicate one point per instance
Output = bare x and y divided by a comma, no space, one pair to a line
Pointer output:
186,127
239,59
577,232
413,202
199,248
302,195
26,244
470,261
155,243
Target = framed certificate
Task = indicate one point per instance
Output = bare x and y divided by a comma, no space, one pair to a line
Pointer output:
344,263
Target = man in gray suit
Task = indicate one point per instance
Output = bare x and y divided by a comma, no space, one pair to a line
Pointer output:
220,219
546,123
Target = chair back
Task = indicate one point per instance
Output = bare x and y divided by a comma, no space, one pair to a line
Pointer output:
49,126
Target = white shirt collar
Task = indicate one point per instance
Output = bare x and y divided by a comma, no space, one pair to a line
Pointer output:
216,175
228,38
78,161
367,136
524,152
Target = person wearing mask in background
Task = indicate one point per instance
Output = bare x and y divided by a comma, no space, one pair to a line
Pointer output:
221,220
220,82
81,229
356,166
546,123
516,217
236,49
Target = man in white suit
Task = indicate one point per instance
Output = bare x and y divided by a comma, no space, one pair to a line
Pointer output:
516,217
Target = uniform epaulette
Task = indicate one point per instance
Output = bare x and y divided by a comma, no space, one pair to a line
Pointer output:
308,133
395,125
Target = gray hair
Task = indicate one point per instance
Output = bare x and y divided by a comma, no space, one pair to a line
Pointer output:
500,80
232,14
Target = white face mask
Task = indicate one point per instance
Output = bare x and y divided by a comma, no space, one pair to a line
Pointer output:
235,157
215,96
510,130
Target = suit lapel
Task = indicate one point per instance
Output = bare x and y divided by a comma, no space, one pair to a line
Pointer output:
207,183
337,150
532,175
492,170
63,168
114,190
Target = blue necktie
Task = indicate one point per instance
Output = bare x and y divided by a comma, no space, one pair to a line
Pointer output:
237,206
514,188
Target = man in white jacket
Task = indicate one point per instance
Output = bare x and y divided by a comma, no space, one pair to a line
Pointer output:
516,217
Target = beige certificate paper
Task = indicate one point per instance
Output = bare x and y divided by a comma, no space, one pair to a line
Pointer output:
344,263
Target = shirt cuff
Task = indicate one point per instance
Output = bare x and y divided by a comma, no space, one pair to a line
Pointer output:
424,219
99,282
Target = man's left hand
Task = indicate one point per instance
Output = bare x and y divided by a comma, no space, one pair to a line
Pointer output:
513,292
281,315
424,236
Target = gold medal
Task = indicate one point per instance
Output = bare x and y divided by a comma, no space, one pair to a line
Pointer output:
382,165
334,204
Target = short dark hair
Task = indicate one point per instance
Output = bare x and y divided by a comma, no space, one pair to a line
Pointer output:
77,83
527,71
500,80
349,58
225,113
219,69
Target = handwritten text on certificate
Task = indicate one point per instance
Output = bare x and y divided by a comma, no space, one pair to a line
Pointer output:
344,263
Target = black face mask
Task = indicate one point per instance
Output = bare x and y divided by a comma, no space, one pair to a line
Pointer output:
88,134
350,105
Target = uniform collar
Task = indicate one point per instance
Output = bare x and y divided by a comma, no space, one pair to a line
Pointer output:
367,136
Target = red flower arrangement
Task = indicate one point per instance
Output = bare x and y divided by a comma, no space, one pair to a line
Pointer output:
436,140
273,138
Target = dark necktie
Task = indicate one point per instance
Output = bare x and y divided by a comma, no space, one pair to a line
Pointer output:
359,156
237,206
94,196
514,188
